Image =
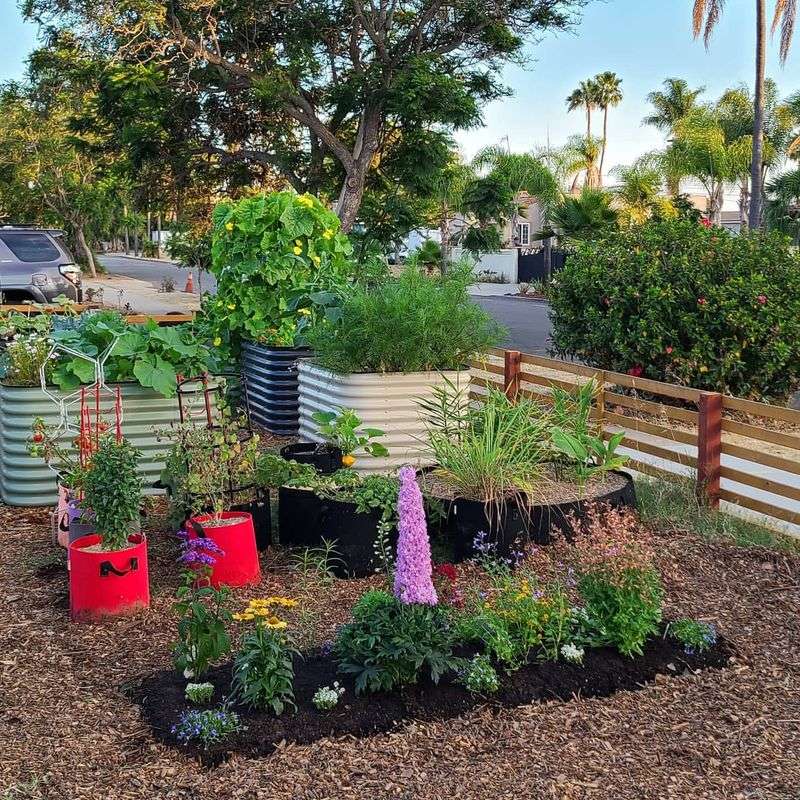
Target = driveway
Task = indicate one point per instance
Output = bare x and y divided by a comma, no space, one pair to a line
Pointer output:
527,321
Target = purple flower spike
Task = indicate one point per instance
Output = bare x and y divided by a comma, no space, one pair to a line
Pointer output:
413,581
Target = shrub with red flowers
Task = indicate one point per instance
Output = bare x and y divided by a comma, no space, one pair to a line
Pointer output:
613,563
679,302
445,581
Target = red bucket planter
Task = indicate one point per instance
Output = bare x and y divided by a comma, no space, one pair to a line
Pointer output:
107,582
239,566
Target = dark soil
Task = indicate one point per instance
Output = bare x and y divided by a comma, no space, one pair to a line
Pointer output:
603,673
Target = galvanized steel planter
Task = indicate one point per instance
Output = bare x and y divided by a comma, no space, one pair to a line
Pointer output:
270,383
28,481
386,401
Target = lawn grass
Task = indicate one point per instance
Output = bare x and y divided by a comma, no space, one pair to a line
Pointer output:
673,504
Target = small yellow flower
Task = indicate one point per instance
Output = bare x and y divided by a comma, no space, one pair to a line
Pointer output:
348,460
217,341
261,612
316,260
703,369
327,233
304,311
306,201
297,250
259,602
231,306
275,623
298,242
228,226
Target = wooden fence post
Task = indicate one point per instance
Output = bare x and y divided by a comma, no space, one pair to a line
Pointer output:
709,447
511,370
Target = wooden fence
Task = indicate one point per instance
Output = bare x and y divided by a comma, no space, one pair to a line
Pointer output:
738,451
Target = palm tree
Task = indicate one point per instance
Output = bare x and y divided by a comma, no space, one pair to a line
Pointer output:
585,96
589,214
671,104
609,95
448,199
580,155
638,191
706,15
782,211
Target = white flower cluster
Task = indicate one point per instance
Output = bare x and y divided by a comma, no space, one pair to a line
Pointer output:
326,697
199,693
572,653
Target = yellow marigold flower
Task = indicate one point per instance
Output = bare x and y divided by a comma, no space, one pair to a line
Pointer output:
275,624
217,341
297,250
327,233
261,612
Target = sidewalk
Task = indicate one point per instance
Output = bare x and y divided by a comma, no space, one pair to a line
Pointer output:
493,289
120,291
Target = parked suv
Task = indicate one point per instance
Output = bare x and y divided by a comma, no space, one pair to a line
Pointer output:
36,265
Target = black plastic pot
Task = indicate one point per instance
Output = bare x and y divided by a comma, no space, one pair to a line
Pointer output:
325,458
261,512
269,383
305,519
508,525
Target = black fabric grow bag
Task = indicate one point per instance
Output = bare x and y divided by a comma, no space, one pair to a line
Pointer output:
305,519
325,458
509,524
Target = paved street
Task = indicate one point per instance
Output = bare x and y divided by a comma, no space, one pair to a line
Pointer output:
527,322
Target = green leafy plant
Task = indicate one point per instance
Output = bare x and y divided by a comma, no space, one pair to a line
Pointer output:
613,563
199,693
273,471
388,644
148,354
23,358
479,676
694,635
345,432
679,302
585,450
112,489
203,637
263,671
279,259
209,726
412,323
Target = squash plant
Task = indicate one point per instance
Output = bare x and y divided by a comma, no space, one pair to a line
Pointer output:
279,259
151,355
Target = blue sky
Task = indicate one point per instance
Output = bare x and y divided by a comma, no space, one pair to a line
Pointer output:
643,41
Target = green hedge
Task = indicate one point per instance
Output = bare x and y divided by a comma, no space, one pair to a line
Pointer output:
679,302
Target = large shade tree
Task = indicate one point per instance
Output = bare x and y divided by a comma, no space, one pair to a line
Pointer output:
343,74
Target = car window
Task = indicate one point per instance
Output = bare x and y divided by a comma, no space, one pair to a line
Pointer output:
30,246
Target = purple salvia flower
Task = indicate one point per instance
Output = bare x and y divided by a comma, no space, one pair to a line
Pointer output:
413,581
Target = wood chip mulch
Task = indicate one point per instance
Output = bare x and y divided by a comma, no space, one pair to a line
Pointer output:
67,729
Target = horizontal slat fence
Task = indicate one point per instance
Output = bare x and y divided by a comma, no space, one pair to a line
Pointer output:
738,451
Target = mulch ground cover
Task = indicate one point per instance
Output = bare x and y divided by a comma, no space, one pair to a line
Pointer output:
70,726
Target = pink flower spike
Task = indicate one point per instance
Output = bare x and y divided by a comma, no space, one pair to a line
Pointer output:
413,581
762,299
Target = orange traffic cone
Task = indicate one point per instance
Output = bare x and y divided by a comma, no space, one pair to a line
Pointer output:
189,288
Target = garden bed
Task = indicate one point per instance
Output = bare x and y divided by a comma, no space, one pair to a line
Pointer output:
603,673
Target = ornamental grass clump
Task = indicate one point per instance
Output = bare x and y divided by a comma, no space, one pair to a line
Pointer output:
413,581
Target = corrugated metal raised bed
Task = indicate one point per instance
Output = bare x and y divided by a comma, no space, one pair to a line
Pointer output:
270,383
385,401
28,481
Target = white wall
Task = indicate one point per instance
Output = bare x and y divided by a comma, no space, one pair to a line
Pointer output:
503,263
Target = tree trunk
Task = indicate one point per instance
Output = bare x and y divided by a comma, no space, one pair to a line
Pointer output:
756,192
605,139
588,122
715,204
548,258
444,233
744,202
80,237
158,229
